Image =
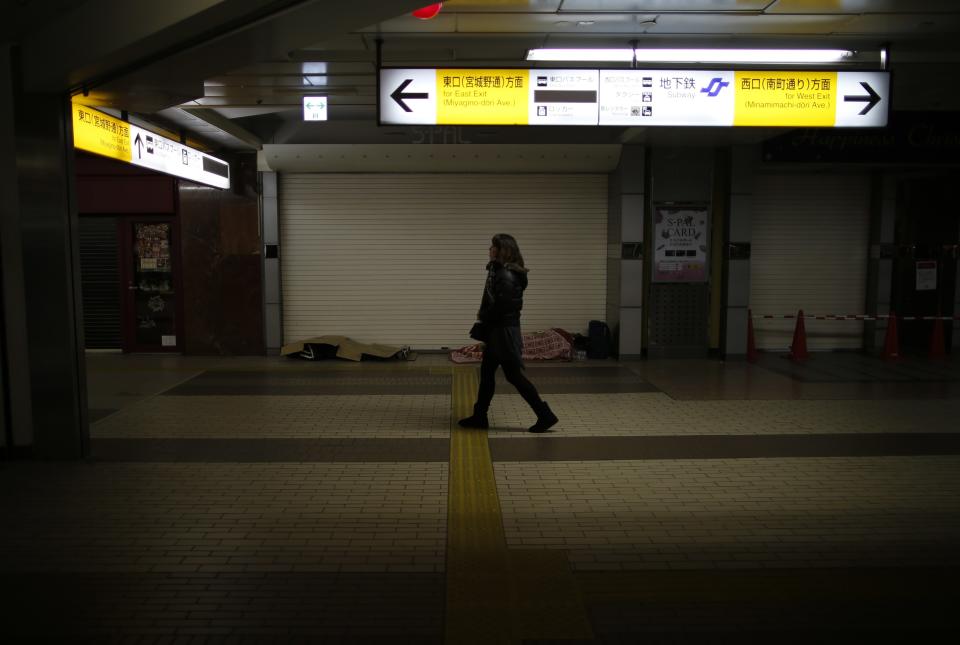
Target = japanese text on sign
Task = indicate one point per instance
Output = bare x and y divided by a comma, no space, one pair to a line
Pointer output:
479,96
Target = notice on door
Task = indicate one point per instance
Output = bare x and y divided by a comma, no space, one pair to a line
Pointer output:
680,243
926,275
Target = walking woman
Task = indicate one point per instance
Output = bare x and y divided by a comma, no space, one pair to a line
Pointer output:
500,315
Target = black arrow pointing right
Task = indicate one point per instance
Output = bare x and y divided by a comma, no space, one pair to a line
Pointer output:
871,99
398,95
137,142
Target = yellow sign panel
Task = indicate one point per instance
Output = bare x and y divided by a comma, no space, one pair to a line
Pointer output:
781,98
100,133
482,96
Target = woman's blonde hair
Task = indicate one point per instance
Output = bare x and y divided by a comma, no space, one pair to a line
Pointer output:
507,250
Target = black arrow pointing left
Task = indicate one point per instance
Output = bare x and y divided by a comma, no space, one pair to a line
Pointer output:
871,98
398,95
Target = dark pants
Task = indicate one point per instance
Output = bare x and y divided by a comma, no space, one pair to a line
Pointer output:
513,370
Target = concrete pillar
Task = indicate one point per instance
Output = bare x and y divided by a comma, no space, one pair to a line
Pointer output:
44,349
272,296
743,163
882,256
625,257
677,313
17,417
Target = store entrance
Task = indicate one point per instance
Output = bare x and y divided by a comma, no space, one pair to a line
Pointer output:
151,291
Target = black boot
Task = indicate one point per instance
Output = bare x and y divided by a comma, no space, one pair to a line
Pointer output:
476,420
546,419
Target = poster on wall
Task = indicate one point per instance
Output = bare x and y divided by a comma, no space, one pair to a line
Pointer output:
681,239
926,275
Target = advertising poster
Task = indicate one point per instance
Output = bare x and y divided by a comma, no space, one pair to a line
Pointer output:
681,239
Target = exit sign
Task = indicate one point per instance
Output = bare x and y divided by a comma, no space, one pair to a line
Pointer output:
314,108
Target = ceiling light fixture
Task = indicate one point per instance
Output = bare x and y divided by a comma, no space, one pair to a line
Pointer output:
591,55
766,56
759,56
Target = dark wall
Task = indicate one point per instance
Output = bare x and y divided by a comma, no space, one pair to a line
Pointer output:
219,243
107,186
220,249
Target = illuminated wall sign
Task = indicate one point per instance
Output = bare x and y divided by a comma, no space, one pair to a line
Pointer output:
109,136
482,96
100,133
314,108
666,97
632,97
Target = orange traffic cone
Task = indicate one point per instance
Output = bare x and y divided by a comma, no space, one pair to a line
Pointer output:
891,343
937,349
798,350
752,355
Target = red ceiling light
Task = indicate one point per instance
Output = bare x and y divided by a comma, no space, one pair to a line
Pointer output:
428,12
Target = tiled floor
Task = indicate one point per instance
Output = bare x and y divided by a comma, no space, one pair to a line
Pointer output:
251,500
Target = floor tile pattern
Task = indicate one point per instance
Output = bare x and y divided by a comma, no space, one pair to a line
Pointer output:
744,513
604,415
223,518
417,416
261,500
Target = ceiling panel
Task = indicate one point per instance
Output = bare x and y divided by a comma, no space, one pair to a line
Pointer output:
445,22
865,6
343,43
748,25
586,23
917,26
283,102
288,67
23,16
470,6
295,80
241,112
497,33
660,6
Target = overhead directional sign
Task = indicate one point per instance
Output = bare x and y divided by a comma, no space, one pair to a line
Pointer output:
109,136
633,97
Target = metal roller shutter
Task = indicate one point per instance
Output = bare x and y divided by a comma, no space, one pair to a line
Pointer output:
809,251
399,259
100,282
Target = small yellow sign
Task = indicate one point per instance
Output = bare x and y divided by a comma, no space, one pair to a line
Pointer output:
100,133
784,98
482,96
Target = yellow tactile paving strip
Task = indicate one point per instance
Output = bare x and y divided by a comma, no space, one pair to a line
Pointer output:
495,595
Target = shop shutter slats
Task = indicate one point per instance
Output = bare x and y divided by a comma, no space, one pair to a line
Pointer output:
399,259
100,280
809,251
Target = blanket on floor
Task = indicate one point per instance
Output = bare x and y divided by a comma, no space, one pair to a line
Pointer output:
552,344
323,347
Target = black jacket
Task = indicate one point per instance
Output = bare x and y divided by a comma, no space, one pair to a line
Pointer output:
503,295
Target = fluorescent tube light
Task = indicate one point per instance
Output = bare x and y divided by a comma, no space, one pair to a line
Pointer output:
788,56
588,55
760,56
